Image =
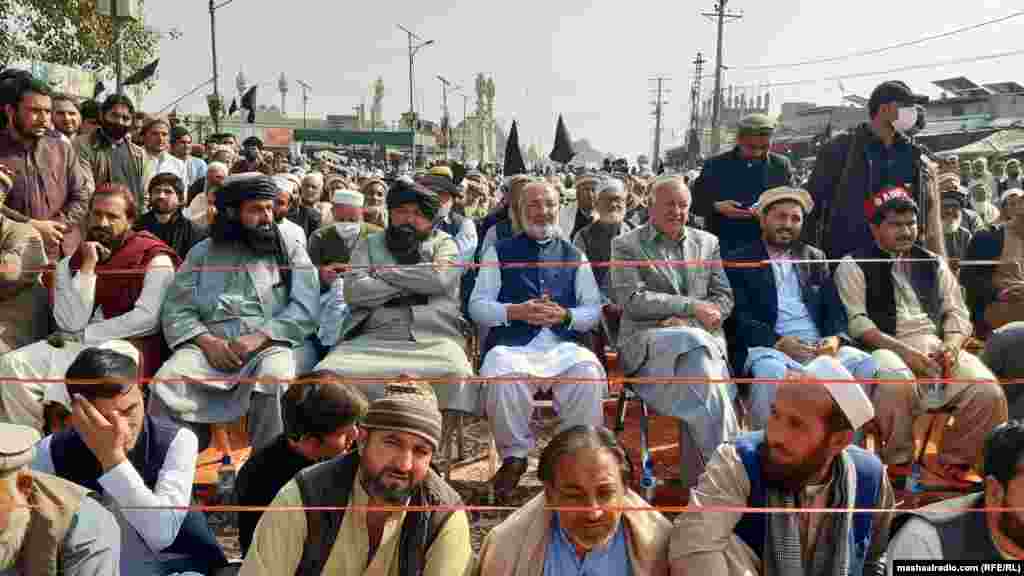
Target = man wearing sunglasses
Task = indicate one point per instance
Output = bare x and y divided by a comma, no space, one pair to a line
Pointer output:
321,421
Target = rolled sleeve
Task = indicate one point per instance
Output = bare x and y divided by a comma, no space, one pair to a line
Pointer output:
852,292
157,515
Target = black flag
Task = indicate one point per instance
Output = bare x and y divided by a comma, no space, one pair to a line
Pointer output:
142,74
562,152
513,155
233,108
249,103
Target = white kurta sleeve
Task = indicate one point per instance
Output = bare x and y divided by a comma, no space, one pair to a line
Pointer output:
587,313
466,240
159,524
144,318
484,307
74,298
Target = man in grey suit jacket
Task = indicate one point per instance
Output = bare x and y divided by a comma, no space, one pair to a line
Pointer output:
403,298
672,323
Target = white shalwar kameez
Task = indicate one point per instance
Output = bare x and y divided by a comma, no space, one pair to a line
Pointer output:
509,403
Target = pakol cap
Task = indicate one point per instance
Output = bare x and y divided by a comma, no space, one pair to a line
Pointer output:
17,447
779,193
843,388
756,124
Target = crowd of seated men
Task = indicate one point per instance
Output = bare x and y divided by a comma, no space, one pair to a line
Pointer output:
167,322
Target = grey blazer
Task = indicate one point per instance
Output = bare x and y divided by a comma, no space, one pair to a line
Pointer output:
648,294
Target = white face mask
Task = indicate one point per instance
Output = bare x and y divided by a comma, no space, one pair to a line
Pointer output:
349,229
906,119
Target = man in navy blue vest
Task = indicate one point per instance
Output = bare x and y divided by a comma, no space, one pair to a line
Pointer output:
804,459
536,310
949,530
142,466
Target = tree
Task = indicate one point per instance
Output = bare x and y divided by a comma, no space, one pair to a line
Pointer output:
71,33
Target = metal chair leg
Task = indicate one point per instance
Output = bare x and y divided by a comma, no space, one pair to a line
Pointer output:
620,411
648,481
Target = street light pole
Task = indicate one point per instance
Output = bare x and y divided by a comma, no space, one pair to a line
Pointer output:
413,49
213,49
445,86
306,88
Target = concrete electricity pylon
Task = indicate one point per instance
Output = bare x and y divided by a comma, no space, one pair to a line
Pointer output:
721,15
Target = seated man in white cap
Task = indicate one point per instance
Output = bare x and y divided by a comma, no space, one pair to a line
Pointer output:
49,524
330,249
906,305
244,299
282,206
142,467
403,299
536,314
788,311
804,459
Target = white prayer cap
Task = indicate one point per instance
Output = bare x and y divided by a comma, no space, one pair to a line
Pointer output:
846,392
349,198
57,392
283,183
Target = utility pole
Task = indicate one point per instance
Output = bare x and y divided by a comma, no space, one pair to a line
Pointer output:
465,124
693,146
214,103
413,49
445,86
306,89
656,162
722,16
118,60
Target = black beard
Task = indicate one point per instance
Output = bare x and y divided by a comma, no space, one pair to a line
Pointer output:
404,243
105,238
791,478
262,239
375,488
116,131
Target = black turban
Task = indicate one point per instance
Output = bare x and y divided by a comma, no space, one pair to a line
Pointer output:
238,189
404,191
438,184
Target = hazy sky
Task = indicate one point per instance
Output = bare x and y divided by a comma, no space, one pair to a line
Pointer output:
590,61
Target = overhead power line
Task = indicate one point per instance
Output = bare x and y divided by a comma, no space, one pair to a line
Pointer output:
968,60
875,51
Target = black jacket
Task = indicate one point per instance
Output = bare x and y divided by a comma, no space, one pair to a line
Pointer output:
757,303
729,177
838,224
977,280
180,233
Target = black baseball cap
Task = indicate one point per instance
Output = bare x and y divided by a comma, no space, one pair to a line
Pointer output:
895,91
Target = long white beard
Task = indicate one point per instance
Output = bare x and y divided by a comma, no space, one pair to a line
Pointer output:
13,537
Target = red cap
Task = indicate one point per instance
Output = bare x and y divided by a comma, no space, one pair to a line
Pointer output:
897,196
